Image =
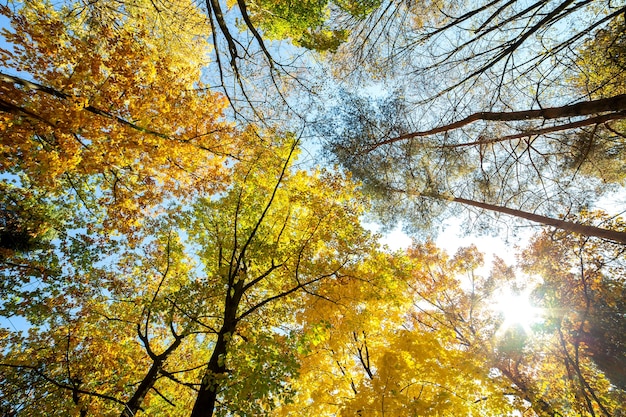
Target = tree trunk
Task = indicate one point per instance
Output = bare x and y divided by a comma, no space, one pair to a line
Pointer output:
535,132
209,388
578,228
216,368
134,404
584,108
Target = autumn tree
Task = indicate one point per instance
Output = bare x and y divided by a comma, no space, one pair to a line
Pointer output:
199,311
369,351
277,235
526,353
584,295
431,337
97,109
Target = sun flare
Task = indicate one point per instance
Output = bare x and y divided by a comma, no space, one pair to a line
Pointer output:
517,310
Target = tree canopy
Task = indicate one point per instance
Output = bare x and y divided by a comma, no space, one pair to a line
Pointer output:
185,189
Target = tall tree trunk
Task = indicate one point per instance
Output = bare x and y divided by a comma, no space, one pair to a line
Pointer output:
615,104
210,385
596,120
216,368
578,228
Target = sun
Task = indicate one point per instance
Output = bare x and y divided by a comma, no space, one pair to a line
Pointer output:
517,310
